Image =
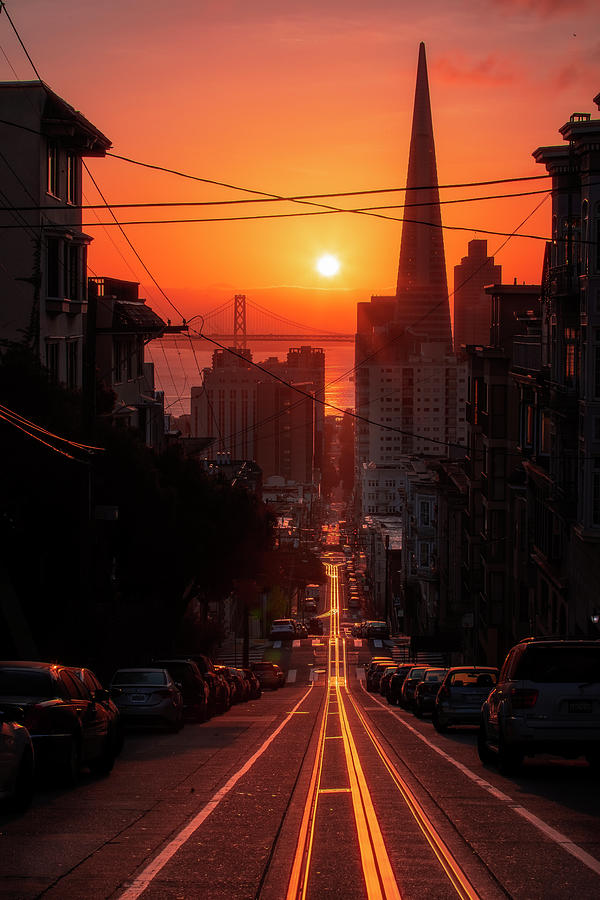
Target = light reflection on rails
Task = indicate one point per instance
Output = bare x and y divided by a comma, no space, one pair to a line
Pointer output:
379,878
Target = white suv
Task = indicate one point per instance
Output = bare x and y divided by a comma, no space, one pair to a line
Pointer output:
283,630
547,700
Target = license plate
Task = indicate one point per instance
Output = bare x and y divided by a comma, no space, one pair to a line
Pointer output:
580,706
138,698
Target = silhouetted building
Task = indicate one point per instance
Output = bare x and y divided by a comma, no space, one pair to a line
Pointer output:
471,303
43,278
124,324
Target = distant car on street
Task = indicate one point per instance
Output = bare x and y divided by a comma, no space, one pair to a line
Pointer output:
267,674
283,630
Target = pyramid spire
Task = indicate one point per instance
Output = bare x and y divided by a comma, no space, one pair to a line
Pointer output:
422,291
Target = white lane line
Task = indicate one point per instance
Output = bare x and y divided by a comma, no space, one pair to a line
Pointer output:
147,875
562,840
360,672
378,643
358,642
291,676
296,643
277,644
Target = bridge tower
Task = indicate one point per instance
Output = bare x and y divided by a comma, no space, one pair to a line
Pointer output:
239,321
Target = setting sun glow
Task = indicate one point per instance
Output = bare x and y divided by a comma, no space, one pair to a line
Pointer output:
328,265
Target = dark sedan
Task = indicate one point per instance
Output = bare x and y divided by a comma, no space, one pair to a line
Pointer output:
194,689
426,691
394,687
68,727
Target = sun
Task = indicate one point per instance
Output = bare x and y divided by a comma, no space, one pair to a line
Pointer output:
328,265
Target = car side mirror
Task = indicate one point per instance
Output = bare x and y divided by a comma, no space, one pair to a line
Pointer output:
116,692
101,695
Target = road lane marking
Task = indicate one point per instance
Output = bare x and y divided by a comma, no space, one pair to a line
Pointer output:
556,836
451,867
296,643
291,676
149,873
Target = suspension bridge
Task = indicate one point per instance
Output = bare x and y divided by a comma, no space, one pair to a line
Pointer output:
240,320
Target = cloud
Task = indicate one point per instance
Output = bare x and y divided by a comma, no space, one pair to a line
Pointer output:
491,70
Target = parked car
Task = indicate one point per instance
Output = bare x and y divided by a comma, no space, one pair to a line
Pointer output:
16,761
546,700
394,688
218,686
426,691
194,689
413,677
255,688
377,631
301,630
267,674
149,696
283,630
385,680
103,697
374,673
235,682
68,727
461,693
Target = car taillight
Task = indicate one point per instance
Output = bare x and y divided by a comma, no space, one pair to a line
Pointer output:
521,698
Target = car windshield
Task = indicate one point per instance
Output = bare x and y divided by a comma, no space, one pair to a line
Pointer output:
149,678
26,683
555,665
435,675
473,679
417,673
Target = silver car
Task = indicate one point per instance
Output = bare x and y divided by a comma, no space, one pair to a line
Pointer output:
146,696
547,700
460,695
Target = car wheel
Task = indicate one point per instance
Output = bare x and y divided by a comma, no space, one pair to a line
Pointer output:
509,759
439,725
21,798
485,754
71,763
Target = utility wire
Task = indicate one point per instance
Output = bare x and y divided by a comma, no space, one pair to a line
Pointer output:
12,25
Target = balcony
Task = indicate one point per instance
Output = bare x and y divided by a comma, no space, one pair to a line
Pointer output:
527,355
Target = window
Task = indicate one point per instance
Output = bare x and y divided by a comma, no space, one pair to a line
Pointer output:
52,184
72,364
71,178
52,360
119,355
53,267
424,513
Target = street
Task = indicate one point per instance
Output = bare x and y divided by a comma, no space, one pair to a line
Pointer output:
316,790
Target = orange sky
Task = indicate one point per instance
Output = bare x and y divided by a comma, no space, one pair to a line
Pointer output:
306,96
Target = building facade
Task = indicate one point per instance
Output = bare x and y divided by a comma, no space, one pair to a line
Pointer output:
43,279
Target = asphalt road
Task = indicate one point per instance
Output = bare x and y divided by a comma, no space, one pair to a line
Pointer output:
216,811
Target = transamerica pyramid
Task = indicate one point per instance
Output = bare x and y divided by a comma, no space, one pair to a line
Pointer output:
422,291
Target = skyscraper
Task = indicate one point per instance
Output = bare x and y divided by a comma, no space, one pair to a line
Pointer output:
422,289
407,379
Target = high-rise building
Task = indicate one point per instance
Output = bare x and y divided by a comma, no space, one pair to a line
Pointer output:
271,420
471,302
407,375
422,290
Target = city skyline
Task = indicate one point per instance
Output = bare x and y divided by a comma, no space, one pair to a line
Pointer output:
215,102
